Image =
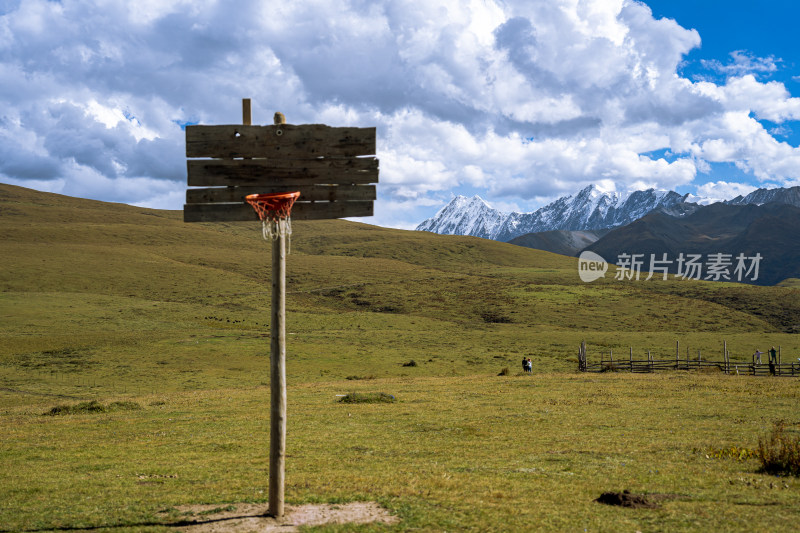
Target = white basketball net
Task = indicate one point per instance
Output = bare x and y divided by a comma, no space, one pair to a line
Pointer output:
272,229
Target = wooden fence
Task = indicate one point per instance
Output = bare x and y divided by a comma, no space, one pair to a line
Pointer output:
610,363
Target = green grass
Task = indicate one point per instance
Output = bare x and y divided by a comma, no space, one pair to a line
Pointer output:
110,304
463,453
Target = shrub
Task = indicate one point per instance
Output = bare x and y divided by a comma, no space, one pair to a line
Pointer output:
504,371
367,397
493,317
410,363
92,407
779,453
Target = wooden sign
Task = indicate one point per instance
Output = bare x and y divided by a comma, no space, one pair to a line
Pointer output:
333,168
335,171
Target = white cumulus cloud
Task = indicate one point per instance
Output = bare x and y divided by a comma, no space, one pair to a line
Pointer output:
520,99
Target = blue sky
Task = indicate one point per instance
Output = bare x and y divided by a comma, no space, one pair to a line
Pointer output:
757,30
519,101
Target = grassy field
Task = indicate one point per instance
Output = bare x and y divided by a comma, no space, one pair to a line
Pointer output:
111,303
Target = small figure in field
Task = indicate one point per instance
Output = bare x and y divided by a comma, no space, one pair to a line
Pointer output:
757,357
524,365
529,366
773,360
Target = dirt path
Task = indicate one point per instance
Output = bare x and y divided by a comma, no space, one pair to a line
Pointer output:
246,518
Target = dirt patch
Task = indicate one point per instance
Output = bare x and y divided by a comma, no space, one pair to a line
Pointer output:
635,501
243,518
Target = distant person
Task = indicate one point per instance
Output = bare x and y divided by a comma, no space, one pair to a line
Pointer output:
524,364
757,357
529,366
773,355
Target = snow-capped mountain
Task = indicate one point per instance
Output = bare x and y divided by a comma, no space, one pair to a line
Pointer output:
780,195
466,216
590,209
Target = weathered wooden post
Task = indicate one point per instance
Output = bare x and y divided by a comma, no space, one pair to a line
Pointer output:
677,354
583,354
277,375
725,355
270,167
630,356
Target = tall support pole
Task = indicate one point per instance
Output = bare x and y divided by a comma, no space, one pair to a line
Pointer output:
277,370
277,418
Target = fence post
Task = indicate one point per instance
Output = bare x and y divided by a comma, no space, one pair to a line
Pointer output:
725,354
582,356
677,352
630,356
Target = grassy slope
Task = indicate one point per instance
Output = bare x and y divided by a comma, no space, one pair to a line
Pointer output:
111,301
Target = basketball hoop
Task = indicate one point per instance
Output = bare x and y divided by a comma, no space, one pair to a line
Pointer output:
274,210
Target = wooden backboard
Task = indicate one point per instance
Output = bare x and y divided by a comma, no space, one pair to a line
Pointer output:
333,168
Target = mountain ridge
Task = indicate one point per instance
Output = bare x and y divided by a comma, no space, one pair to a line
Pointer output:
589,209
720,230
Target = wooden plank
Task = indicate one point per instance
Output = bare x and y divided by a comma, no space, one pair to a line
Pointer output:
211,172
313,193
282,140
301,211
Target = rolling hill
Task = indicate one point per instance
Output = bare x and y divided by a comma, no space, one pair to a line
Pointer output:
562,242
769,230
121,294
134,363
